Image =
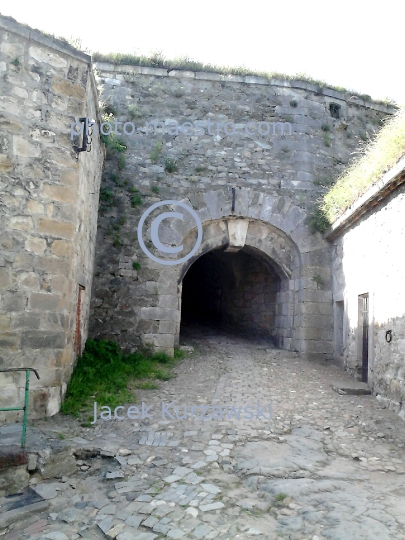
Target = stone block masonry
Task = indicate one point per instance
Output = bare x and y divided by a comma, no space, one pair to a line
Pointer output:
253,193
48,213
269,183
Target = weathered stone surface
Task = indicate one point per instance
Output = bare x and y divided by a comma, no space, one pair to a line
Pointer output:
47,491
19,514
37,151
247,184
287,475
13,480
269,178
12,456
56,460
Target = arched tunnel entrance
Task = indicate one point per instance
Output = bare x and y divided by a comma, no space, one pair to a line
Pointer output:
237,291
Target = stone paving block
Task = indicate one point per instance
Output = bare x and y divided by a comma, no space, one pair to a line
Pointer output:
134,460
150,522
134,507
210,488
146,509
48,491
192,478
172,478
109,509
199,465
166,496
136,535
162,511
56,535
192,511
161,528
160,462
105,524
187,500
123,487
202,530
144,498
115,531
181,472
211,506
71,515
122,514
113,475
134,521
177,514
189,524
176,534
210,497
132,495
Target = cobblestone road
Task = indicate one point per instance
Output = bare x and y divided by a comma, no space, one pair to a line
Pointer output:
325,466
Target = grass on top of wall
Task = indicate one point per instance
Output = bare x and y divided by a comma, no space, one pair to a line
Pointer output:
158,60
387,148
105,374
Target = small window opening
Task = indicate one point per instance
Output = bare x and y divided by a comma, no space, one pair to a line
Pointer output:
334,110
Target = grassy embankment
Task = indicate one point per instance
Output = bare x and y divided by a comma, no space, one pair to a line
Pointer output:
387,148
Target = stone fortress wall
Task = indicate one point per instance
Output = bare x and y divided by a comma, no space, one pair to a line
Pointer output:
48,214
272,181
259,267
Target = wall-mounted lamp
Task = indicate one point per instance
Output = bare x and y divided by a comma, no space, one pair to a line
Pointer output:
87,133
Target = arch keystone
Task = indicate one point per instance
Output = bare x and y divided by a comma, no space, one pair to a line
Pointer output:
237,231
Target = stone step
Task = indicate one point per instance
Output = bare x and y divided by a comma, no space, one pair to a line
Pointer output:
12,456
21,506
352,388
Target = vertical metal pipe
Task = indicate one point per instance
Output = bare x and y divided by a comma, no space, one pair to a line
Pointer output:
233,199
27,386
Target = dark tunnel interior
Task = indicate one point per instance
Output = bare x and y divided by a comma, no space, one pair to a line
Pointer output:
235,291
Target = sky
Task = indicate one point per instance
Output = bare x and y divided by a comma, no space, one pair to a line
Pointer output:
357,45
